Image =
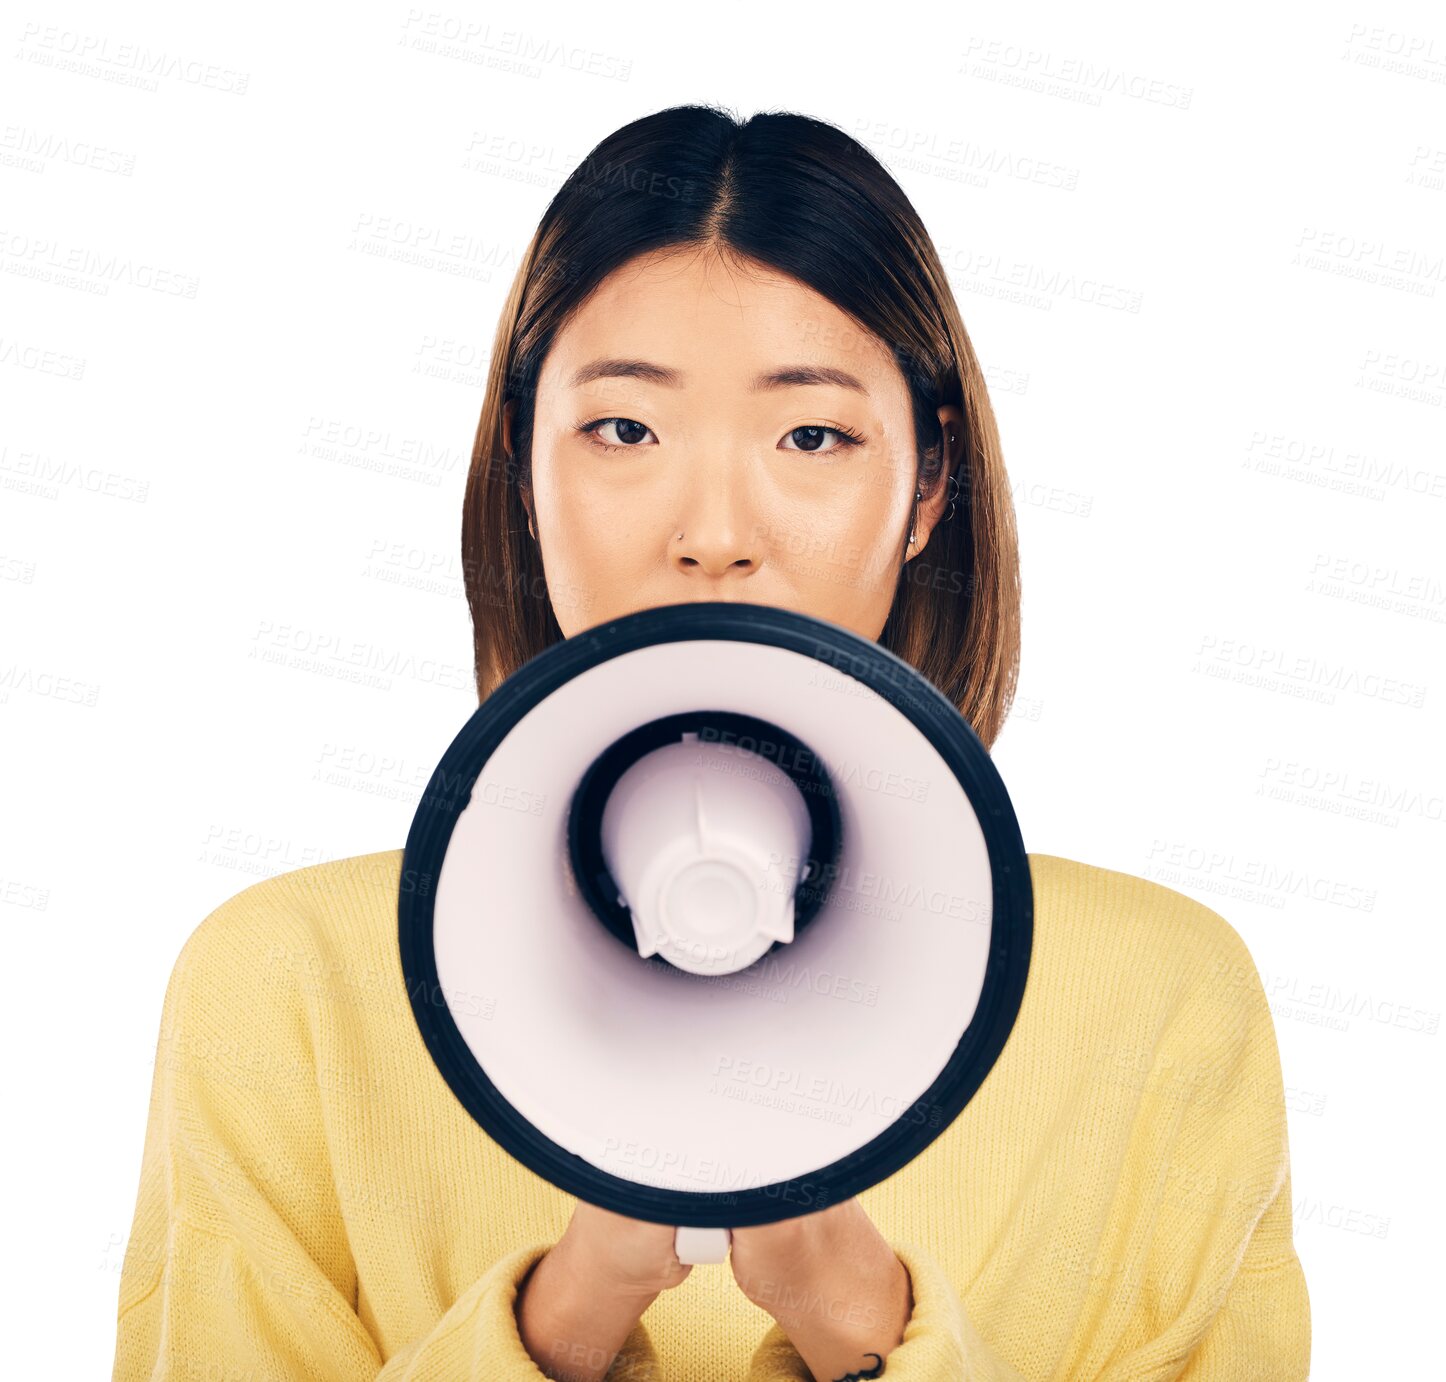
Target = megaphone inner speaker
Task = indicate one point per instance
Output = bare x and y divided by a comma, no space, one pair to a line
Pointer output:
727,833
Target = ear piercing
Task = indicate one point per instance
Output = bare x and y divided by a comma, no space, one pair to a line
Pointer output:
947,514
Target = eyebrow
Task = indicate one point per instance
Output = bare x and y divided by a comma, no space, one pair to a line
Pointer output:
785,377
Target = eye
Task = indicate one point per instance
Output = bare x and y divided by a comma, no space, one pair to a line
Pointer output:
626,429
813,436
630,435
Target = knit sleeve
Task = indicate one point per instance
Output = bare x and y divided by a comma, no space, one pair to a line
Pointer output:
1262,1330
238,1257
1222,1278
1217,1293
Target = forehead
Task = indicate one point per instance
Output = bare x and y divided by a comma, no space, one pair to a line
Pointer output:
713,317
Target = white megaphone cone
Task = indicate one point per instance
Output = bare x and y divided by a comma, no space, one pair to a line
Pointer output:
713,915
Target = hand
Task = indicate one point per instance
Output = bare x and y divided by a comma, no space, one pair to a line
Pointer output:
578,1304
832,1282
626,1255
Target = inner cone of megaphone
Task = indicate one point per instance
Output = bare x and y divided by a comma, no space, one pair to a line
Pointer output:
707,841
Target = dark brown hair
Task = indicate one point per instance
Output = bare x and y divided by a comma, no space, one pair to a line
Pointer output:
804,198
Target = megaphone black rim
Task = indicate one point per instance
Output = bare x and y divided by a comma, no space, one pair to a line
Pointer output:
1011,933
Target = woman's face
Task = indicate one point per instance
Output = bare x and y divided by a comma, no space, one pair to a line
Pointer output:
710,432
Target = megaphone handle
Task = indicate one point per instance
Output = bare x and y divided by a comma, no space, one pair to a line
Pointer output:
702,1244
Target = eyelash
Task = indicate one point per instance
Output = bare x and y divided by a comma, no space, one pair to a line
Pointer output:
850,437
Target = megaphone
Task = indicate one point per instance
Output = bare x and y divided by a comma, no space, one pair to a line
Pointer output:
752,902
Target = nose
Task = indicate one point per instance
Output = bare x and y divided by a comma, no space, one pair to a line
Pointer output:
716,536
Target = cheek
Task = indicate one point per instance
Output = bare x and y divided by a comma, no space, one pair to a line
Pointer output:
857,497
841,557
588,523
860,512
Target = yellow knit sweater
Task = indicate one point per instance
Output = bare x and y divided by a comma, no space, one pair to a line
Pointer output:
1114,1203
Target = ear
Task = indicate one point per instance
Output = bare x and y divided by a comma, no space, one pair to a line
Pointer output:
508,410
526,495
936,500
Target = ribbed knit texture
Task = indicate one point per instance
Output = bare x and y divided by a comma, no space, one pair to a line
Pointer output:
314,1203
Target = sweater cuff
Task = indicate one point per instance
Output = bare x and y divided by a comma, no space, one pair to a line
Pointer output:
496,1322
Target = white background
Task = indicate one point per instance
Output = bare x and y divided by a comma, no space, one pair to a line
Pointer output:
1231,492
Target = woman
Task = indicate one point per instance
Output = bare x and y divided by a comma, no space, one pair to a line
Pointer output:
730,368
